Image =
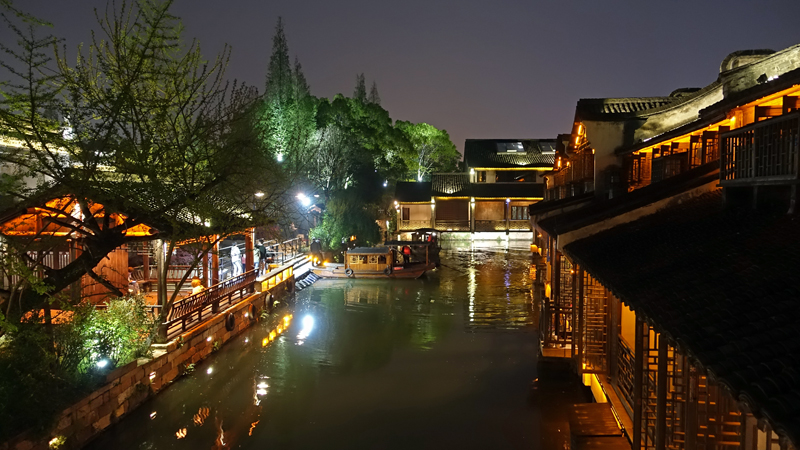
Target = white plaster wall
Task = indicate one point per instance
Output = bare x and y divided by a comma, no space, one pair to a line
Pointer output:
418,212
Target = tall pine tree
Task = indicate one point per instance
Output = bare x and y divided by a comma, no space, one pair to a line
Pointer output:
278,96
360,92
374,98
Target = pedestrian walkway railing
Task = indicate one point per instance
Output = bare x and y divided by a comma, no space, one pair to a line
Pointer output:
195,308
286,250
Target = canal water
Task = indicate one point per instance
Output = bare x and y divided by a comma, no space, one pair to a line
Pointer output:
442,362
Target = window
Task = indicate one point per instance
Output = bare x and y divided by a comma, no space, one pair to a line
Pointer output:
519,213
406,213
481,176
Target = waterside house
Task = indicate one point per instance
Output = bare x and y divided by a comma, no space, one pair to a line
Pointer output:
488,200
669,243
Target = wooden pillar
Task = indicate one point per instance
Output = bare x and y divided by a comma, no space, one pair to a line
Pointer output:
215,264
204,273
556,293
249,256
146,264
639,361
508,215
580,313
691,405
661,393
76,287
161,272
614,314
472,215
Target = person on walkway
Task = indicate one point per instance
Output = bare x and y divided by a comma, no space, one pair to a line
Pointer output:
197,285
133,285
406,254
236,261
316,252
261,251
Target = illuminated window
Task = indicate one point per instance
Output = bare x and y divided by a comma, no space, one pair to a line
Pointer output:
481,176
519,213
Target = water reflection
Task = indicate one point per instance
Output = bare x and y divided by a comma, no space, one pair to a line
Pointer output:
354,362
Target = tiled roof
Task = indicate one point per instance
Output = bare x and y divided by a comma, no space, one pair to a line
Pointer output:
552,205
412,191
595,106
601,209
450,184
458,185
725,284
484,153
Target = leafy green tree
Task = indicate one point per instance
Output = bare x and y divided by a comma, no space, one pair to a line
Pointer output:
429,150
151,134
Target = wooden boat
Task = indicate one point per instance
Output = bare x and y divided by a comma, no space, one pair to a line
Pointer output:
373,262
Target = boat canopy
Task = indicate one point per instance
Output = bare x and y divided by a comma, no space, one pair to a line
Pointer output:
369,251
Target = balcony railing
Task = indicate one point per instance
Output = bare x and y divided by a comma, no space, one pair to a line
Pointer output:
452,225
763,152
490,225
414,224
519,225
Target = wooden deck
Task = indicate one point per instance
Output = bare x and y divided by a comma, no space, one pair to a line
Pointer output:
592,426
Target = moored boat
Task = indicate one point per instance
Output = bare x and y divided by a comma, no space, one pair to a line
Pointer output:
373,262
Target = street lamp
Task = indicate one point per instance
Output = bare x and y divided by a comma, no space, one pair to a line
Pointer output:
304,199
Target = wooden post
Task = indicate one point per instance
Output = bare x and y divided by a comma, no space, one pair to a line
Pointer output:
508,215
433,213
249,257
215,264
691,406
76,287
204,273
580,313
614,313
146,266
555,293
639,361
661,393
161,272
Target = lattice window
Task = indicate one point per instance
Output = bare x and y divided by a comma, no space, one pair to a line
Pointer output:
595,325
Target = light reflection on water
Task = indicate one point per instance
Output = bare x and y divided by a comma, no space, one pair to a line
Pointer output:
345,349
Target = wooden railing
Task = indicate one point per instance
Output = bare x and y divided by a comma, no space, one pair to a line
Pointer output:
762,152
285,250
197,307
414,224
519,225
452,225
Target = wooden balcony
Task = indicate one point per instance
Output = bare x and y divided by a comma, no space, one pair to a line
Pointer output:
408,225
761,153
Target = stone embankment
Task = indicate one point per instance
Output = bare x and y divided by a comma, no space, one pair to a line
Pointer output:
127,387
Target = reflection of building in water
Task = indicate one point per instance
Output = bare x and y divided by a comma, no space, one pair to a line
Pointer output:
372,293
497,291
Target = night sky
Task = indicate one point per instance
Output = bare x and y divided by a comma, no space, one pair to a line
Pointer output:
479,69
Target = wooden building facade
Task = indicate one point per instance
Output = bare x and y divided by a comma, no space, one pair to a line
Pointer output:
655,274
501,178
